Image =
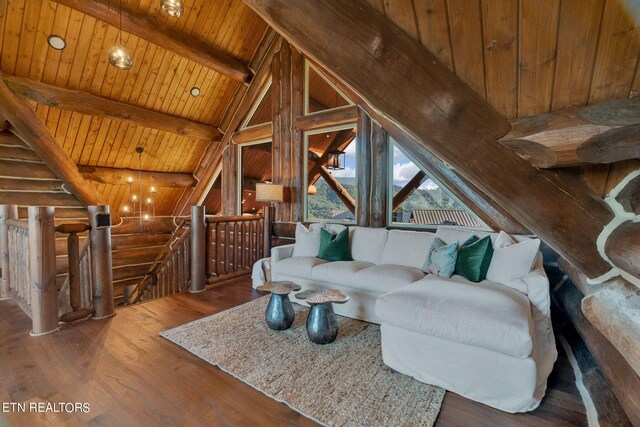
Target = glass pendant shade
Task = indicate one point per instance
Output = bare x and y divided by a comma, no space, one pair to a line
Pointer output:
173,8
312,190
120,57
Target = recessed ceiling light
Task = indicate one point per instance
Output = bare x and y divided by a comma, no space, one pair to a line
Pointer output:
173,8
195,91
56,42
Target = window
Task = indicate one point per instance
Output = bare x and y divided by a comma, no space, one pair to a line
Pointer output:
331,193
419,201
255,167
260,113
321,94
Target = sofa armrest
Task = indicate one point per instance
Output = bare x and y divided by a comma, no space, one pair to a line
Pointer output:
278,253
538,287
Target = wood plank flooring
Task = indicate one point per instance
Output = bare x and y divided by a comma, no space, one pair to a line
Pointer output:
131,376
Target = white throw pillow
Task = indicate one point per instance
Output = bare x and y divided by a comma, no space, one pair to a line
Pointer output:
367,243
513,262
502,241
407,248
307,240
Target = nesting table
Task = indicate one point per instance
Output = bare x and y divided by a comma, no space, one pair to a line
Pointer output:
322,326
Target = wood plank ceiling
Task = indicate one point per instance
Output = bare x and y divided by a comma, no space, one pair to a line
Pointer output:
160,80
525,57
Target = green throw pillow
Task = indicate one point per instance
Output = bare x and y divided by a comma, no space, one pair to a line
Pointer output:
335,247
474,258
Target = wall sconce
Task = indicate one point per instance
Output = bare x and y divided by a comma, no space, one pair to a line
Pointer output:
336,160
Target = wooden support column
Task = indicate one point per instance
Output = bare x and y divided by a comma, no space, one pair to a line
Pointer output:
339,189
297,189
281,117
42,270
6,212
73,257
198,249
101,262
379,176
446,117
363,166
230,202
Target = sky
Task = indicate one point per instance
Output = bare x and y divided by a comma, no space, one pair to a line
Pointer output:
403,168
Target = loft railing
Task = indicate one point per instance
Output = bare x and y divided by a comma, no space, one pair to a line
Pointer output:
227,247
28,267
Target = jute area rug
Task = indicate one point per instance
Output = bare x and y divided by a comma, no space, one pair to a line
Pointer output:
344,383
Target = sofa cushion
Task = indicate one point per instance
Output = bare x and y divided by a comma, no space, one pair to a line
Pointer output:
334,247
307,240
296,266
407,248
487,315
442,258
461,234
474,258
384,278
367,244
512,261
338,272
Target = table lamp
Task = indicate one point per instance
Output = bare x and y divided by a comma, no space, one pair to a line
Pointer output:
269,192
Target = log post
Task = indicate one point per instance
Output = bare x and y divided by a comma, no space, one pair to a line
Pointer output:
198,249
101,263
266,229
6,212
42,270
73,256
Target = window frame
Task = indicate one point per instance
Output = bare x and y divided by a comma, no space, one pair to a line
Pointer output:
306,96
305,138
391,143
240,174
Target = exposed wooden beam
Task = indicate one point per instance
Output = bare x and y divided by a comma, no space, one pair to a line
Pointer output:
445,116
36,198
255,133
248,98
30,129
141,24
597,134
406,191
86,103
115,176
340,141
333,117
339,189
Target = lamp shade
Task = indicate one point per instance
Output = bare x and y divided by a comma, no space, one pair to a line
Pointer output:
266,192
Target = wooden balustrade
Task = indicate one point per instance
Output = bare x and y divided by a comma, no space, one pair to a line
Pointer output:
75,296
234,244
18,250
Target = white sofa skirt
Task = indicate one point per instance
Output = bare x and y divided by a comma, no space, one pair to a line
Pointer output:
361,304
504,382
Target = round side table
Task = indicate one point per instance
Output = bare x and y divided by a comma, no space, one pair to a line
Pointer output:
279,314
322,326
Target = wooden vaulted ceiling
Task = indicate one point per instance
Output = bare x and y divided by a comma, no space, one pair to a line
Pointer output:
525,57
160,80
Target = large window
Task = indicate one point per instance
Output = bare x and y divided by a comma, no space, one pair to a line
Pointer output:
331,177
417,200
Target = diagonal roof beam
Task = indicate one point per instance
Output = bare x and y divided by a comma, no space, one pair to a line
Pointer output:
29,128
141,25
398,77
86,103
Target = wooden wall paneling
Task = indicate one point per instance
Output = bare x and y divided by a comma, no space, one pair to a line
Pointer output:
297,188
538,23
619,171
617,55
595,177
402,14
578,32
500,46
364,169
27,39
282,126
230,202
433,27
466,43
41,47
11,42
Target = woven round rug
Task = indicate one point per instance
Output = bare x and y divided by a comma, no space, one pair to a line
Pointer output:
345,383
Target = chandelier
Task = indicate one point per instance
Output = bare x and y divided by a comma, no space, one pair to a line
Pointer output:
142,208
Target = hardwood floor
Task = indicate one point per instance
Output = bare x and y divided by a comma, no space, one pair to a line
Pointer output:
129,375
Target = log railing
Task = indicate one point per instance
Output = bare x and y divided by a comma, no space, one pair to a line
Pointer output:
28,267
170,272
234,244
19,284
228,247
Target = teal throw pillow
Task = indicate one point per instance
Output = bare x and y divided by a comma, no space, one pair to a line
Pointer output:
335,247
442,258
474,258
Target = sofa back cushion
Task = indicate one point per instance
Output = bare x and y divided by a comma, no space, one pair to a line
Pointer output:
367,244
407,248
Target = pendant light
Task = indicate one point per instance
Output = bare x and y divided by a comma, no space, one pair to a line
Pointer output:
119,55
173,8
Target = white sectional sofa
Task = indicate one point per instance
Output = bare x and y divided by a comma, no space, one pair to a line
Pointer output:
487,341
